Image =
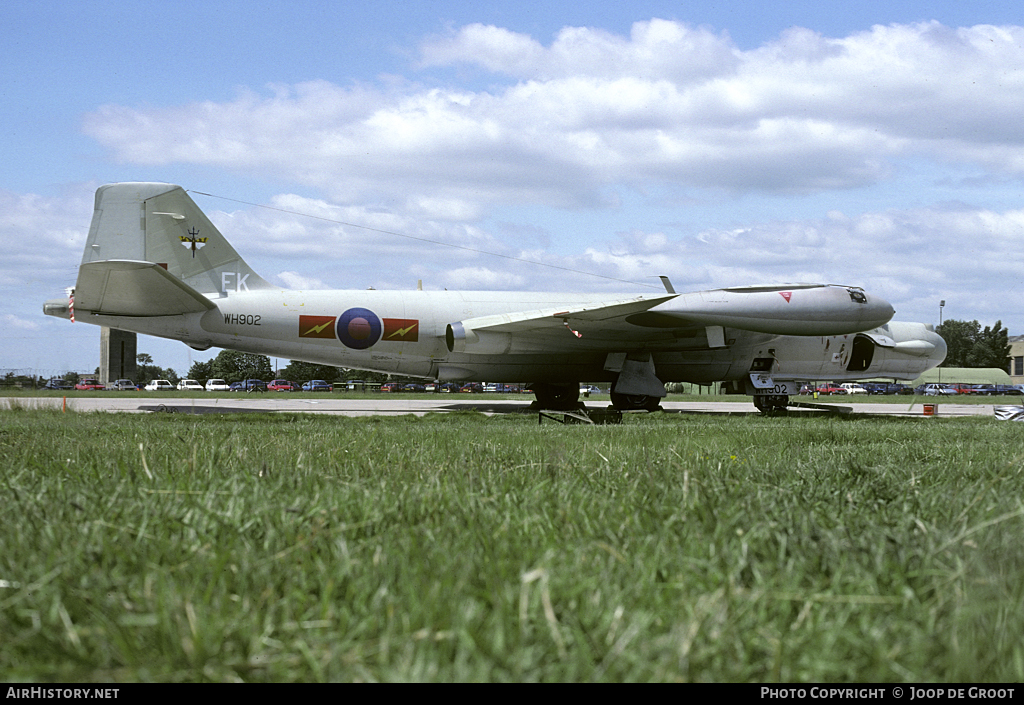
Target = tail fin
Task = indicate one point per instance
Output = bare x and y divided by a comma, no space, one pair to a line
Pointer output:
161,224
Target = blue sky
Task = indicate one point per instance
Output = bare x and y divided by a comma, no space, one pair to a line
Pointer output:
722,144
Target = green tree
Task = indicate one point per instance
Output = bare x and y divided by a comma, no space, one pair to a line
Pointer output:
200,371
959,337
346,374
298,371
235,366
147,371
968,345
992,348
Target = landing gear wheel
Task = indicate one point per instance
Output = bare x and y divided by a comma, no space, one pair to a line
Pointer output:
771,404
557,397
635,402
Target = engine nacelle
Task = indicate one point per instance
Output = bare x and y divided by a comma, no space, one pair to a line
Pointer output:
461,338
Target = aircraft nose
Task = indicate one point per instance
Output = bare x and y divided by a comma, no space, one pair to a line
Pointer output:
879,311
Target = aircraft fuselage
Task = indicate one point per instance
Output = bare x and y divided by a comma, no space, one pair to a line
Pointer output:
403,332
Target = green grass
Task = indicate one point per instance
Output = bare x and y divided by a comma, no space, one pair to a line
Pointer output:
593,400
462,547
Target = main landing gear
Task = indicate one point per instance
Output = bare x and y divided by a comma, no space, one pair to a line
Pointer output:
566,397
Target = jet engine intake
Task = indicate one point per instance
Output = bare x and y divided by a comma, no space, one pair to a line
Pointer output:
459,337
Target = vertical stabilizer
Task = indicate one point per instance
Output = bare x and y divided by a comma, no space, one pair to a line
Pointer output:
160,223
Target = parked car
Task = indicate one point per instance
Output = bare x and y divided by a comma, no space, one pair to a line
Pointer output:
391,387
249,385
1008,389
217,385
886,388
88,383
932,390
830,388
317,385
413,387
472,388
189,385
281,385
159,385
985,390
853,388
57,383
123,385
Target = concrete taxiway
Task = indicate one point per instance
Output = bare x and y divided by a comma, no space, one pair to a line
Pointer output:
418,406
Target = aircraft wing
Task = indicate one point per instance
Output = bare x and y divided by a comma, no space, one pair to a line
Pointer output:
544,328
132,288
554,318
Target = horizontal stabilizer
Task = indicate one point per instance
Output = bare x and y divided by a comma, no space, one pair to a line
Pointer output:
131,288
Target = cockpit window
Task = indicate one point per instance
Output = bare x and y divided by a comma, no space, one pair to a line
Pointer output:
857,296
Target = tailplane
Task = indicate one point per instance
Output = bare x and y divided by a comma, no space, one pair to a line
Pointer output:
160,224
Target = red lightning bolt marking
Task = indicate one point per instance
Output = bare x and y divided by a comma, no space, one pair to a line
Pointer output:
317,329
402,331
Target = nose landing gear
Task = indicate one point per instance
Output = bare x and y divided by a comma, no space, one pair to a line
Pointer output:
771,404
635,402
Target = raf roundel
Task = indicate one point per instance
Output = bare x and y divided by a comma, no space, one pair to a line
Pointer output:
359,328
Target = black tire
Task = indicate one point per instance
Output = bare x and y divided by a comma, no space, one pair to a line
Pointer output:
557,397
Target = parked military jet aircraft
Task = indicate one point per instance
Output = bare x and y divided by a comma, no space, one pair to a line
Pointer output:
155,264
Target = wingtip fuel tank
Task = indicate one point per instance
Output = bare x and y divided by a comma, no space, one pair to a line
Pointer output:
796,309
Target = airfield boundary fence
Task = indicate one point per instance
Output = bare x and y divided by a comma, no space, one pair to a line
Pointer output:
30,377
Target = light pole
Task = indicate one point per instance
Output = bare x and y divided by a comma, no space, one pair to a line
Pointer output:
942,303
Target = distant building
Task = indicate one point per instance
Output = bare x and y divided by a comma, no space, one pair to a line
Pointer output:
963,375
1016,359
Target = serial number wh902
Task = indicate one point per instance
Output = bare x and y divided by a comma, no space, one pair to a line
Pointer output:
242,319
